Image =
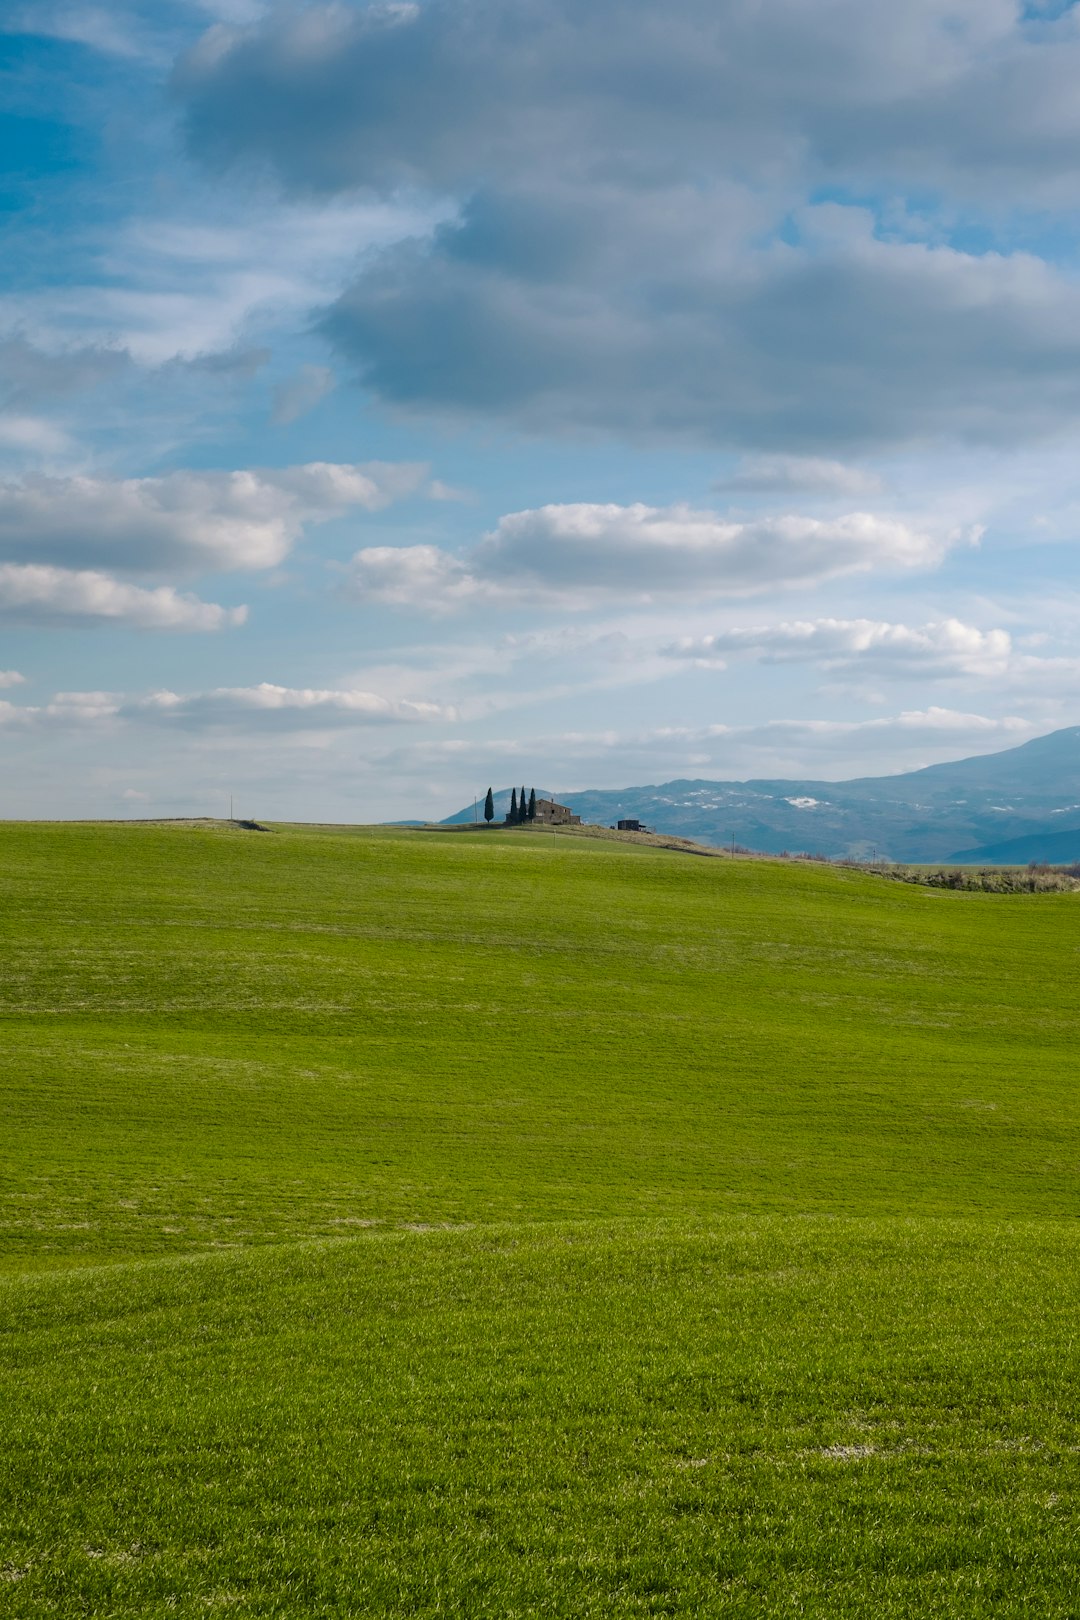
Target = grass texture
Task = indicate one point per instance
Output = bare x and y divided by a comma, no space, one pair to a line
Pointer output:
759,1416
508,1226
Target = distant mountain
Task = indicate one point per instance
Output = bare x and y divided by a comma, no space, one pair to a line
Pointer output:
1059,848
967,805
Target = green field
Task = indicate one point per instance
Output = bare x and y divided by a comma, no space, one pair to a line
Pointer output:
418,1224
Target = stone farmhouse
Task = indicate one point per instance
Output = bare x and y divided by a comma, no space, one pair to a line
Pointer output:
550,814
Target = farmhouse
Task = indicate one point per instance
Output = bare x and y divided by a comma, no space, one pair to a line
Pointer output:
555,815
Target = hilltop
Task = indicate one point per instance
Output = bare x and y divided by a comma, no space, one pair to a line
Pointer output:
944,812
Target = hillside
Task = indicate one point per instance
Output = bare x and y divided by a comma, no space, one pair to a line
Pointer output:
1059,847
402,1027
917,816
437,1226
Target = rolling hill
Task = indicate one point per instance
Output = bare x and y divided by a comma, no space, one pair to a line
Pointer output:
925,815
408,1224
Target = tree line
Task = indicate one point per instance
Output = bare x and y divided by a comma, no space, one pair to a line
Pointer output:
521,810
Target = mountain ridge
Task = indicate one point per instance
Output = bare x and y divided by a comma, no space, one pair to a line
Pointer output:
953,811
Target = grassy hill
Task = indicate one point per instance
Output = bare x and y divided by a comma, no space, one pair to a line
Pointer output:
412,1224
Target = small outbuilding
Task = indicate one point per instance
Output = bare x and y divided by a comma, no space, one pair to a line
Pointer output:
630,825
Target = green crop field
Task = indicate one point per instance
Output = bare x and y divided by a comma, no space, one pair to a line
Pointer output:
414,1224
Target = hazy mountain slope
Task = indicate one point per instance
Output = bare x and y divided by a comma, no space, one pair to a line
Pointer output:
1059,848
923,815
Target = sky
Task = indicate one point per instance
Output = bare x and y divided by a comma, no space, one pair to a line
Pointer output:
402,398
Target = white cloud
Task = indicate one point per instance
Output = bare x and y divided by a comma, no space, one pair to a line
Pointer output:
77,708
234,709
39,594
423,577
948,647
438,491
933,724
65,709
33,435
806,475
283,706
804,746
11,677
81,24
156,288
187,521
574,554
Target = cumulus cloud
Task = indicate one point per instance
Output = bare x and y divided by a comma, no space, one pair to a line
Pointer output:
852,343
11,677
423,577
65,709
334,96
947,647
39,594
186,521
575,553
629,253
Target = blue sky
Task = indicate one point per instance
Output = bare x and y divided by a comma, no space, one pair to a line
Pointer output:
400,398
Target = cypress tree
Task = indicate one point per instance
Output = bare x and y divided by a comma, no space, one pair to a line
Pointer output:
523,809
512,817
489,807
532,804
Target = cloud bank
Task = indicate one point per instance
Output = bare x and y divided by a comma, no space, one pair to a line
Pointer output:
280,707
63,540
575,554
244,709
641,245
948,647
188,521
